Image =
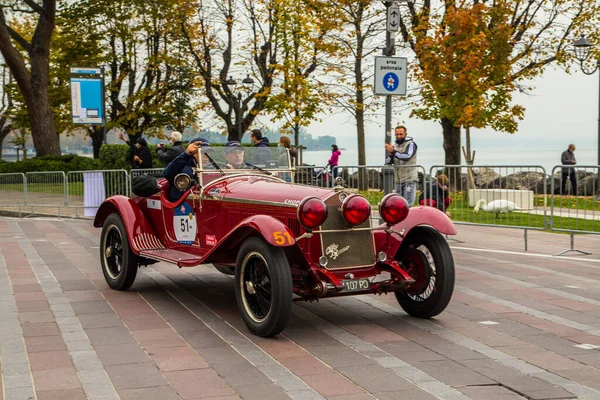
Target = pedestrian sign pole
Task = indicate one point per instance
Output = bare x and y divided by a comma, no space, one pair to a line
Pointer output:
390,79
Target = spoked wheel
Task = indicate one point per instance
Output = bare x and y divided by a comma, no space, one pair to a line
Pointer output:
426,256
263,287
119,263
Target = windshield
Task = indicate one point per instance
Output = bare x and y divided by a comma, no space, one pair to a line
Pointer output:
274,161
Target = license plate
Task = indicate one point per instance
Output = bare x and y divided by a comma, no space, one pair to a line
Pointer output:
356,285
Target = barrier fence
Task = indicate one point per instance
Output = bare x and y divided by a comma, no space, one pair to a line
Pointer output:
515,196
13,190
87,189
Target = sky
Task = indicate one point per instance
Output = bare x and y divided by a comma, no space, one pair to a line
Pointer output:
561,109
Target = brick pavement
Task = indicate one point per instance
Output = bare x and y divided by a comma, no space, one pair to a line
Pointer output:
520,326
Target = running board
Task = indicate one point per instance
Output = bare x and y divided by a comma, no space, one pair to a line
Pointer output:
179,258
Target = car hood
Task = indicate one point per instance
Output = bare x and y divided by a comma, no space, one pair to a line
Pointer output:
265,189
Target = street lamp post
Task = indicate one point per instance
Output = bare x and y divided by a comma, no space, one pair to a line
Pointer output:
582,52
248,82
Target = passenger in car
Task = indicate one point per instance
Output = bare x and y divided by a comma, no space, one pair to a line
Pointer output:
184,163
234,155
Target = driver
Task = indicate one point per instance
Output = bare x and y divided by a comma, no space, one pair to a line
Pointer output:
234,155
184,163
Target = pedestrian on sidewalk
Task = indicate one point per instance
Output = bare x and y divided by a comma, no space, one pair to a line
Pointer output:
568,158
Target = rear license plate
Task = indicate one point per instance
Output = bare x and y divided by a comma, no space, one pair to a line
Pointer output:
356,285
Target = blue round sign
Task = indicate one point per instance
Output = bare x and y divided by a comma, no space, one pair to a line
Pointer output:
391,82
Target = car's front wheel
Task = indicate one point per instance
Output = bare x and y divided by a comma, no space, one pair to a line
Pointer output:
263,289
426,256
119,262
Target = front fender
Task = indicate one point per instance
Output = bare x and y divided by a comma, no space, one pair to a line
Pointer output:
417,216
425,215
135,222
273,230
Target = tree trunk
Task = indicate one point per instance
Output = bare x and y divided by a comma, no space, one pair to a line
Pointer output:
233,134
43,130
363,179
451,142
96,133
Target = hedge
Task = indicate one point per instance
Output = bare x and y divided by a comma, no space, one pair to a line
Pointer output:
66,163
114,156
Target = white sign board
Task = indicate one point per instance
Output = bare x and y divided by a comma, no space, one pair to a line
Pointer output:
390,75
393,18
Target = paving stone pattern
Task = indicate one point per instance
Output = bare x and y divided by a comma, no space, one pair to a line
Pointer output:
520,326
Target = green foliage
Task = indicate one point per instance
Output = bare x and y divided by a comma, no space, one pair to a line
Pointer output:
66,163
114,156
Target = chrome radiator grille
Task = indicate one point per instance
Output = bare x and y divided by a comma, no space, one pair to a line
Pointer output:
349,249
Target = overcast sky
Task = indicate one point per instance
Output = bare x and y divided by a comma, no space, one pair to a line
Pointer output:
562,109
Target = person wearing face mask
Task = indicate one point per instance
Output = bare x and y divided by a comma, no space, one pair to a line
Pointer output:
402,154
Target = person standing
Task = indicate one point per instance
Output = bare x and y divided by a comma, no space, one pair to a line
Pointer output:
402,155
166,155
568,158
141,158
285,143
263,153
334,161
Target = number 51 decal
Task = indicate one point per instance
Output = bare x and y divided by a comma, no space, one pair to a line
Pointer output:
283,238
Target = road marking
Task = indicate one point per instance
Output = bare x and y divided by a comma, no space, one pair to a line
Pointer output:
523,254
582,391
489,323
587,346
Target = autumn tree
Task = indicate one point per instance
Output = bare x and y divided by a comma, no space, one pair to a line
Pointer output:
234,38
305,43
473,55
28,60
149,81
360,40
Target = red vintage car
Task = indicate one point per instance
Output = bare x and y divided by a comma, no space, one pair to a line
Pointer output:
283,242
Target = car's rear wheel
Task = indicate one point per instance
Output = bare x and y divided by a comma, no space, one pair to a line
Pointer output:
119,262
426,256
263,287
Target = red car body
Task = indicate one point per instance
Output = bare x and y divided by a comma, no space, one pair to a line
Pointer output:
244,210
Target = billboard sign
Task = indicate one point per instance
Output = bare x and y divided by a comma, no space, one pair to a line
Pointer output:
87,96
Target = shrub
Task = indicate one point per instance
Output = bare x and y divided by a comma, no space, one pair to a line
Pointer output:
114,156
65,163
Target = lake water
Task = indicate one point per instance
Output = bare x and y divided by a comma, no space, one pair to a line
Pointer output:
546,158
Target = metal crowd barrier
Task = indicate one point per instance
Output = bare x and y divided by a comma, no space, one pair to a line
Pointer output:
496,195
13,190
87,189
528,197
46,189
157,172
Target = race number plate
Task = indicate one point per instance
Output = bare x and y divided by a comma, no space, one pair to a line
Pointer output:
184,224
355,285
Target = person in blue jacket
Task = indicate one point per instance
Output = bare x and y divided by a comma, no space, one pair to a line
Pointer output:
185,163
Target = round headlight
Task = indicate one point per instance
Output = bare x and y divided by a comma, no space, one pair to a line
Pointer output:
356,209
393,208
312,212
182,182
